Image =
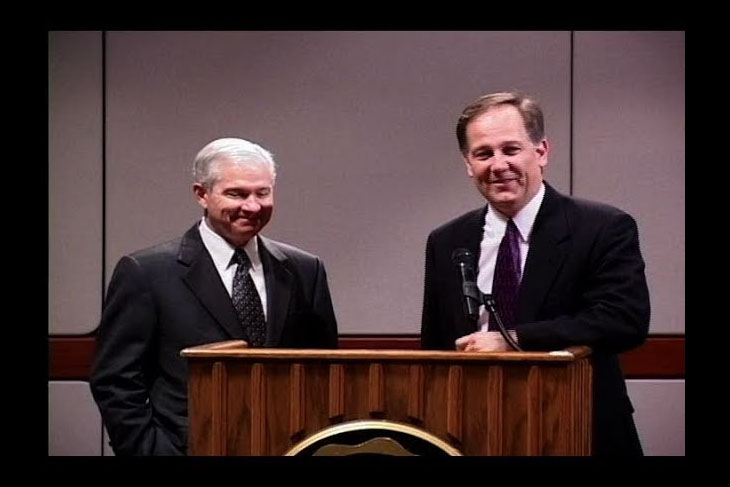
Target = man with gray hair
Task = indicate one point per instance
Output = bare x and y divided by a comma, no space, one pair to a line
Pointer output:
221,281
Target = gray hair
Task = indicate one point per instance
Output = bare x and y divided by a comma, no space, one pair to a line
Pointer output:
237,151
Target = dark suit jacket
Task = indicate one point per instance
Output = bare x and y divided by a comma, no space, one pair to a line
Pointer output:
583,284
169,297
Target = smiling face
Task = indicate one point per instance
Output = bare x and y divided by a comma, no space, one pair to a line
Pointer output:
240,201
505,164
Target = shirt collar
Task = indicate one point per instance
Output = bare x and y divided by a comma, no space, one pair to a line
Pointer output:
221,251
524,219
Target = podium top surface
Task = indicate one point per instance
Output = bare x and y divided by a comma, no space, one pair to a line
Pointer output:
237,349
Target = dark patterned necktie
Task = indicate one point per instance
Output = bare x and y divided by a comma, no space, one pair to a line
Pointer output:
507,278
247,302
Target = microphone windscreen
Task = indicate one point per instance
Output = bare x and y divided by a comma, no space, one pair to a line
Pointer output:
462,256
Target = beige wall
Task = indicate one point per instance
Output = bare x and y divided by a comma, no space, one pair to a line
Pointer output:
74,422
75,181
361,125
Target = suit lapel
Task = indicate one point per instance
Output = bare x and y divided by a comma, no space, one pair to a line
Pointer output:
279,287
204,281
474,232
549,245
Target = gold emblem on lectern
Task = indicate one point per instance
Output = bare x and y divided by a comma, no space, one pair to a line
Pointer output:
372,437
376,446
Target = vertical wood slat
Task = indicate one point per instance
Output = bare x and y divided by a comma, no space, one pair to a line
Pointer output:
561,411
297,399
337,391
581,394
218,409
495,393
577,437
416,391
455,402
376,390
586,385
258,409
534,412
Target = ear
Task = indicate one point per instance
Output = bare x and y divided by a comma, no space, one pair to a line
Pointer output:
201,195
469,169
543,148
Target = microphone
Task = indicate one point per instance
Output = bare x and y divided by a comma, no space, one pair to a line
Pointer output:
465,260
473,297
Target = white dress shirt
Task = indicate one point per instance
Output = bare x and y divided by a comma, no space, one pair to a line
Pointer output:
495,225
222,252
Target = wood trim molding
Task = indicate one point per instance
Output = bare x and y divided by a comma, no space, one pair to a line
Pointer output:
70,358
660,357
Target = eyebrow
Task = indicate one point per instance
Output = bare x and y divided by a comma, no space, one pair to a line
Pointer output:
502,144
517,142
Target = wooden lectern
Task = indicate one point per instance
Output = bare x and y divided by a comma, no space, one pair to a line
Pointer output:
265,401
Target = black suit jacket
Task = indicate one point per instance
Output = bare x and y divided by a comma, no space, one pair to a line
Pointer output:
583,284
169,297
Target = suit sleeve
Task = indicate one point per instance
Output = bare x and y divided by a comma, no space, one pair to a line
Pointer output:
429,317
438,327
123,349
322,307
613,308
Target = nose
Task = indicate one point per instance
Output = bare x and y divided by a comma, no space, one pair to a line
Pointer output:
501,163
251,204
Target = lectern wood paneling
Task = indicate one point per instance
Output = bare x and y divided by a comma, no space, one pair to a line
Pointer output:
264,401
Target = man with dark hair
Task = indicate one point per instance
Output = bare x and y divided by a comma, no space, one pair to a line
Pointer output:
220,281
563,271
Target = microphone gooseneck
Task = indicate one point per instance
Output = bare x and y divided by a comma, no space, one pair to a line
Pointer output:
489,303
